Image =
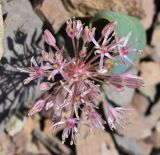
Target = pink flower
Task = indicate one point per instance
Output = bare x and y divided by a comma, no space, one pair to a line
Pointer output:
105,47
88,33
49,38
74,28
125,49
38,106
115,116
35,72
79,78
58,65
69,129
95,120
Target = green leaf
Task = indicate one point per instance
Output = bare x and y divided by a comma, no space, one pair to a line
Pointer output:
125,24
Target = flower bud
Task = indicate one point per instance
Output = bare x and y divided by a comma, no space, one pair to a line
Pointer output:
38,106
46,86
49,38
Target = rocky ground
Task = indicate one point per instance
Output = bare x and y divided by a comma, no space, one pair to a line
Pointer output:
24,23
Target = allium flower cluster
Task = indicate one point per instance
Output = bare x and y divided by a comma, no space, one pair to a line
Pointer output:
81,76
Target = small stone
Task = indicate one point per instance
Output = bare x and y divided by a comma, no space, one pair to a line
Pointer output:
47,127
149,10
99,142
158,126
54,12
15,125
20,142
128,145
150,71
22,39
148,91
6,145
155,139
155,38
140,103
91,7
42,149
32,148
31,124
146,146
156,109
138,127
1,32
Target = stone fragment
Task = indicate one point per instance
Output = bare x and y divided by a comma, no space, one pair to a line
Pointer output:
53,11
32,148
140,103
98,142
136,126
31,124
155,139
156,44
149,91
150,71
149,10
20,142
119,98
42,149
129,146
91,7
6,145
140,127
15,125
22,40
52,143
156,109
155,38
1,32
146,146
